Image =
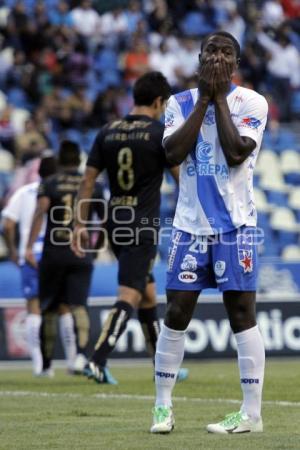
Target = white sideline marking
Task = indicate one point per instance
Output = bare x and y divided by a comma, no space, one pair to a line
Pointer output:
138,397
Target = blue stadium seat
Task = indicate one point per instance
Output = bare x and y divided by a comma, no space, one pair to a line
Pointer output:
278,198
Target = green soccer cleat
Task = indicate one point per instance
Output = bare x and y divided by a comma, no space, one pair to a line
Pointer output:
236,423
163,420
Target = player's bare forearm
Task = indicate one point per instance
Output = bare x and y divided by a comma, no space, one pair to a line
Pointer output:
9,233
183,140
236,148
175,173
36,226
84,195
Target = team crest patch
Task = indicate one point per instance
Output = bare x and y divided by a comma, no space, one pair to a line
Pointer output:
204,152
189,263
246,260
220,267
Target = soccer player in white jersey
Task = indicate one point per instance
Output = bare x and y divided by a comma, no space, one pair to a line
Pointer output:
214,132
19,212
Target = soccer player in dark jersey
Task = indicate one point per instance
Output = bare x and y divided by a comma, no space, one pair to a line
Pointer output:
64,279
131,151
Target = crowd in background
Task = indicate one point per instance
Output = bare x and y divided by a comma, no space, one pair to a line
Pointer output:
67,67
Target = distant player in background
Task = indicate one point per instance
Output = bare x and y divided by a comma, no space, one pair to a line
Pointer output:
131,151
215,133
64,279
18,213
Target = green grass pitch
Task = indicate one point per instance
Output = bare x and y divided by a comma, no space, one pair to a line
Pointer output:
71,413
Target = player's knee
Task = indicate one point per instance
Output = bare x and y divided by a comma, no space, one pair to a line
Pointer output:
241,319
176,317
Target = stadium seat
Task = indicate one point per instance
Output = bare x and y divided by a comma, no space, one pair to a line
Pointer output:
283,219
294,202
267,161
261,201
291,253
272,182
290,166
284,226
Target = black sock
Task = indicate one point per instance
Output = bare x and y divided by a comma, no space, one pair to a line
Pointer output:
113,327
48,336
150,326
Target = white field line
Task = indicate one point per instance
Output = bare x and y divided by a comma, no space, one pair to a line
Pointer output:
138,397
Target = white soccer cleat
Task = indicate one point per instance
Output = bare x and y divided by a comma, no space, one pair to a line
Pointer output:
79,364
236,423
163,420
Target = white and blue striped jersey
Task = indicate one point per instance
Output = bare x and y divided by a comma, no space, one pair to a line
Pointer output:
213,197
20,209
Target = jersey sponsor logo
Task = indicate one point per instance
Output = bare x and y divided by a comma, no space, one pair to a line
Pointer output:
164,374
250,380
209,118
189,263
169,120
203,165
187,277
220,267
250,122
222,280
246,260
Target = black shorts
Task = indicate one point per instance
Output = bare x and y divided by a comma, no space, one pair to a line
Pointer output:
135,264
63,278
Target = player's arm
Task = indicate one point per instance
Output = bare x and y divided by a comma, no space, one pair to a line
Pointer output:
80,239
9,233
11,215
182,141
42,207
94,166
236,148
174,171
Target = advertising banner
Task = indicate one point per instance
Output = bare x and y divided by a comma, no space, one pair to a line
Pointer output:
209,334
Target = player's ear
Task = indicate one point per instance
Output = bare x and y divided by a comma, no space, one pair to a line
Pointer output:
238,60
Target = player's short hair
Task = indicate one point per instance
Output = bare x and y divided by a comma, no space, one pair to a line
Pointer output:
224,34
69,153
48,164
150,86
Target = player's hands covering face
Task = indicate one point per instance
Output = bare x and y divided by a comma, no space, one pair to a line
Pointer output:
222,78
206,79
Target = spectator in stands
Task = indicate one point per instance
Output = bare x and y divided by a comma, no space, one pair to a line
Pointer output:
30,143
86,20
7,130
136,61
76,108
114,27
166,61
60,16
284,69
